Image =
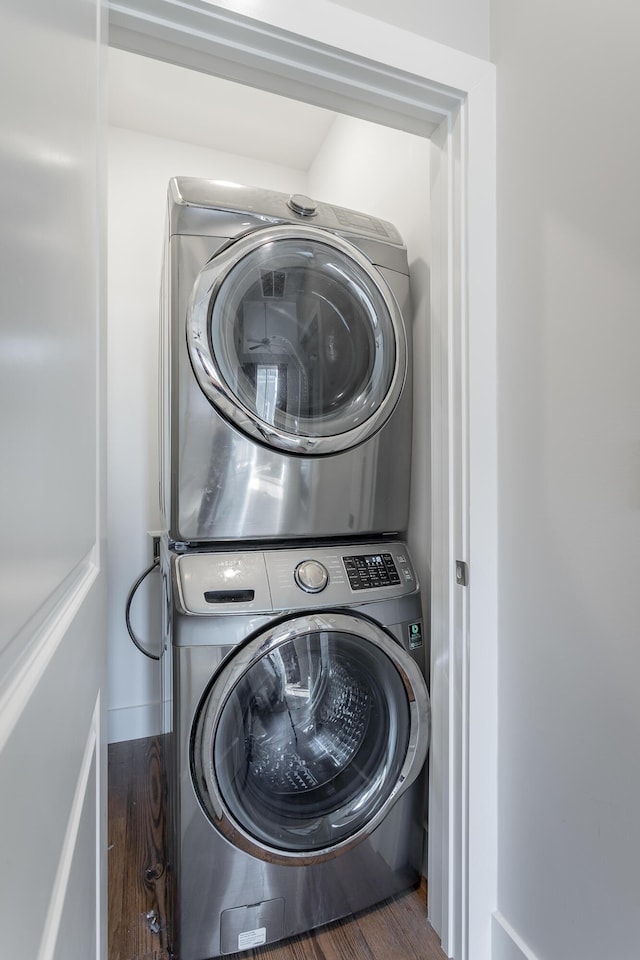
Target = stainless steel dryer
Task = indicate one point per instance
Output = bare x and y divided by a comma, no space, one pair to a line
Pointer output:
286,368
298,727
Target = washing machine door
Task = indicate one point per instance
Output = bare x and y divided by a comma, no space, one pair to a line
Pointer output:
297,339
308,735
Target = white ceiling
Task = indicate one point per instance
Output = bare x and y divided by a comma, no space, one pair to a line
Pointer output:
168,101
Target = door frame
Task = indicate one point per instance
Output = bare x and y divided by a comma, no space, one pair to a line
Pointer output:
333,57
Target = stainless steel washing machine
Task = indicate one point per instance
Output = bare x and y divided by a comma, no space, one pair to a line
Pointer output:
297,718
285,369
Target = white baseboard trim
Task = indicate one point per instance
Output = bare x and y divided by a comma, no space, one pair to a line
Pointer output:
506,943
133,723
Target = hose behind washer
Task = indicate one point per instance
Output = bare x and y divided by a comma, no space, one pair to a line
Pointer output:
127,610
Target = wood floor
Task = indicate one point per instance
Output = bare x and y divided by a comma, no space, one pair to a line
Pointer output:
395,930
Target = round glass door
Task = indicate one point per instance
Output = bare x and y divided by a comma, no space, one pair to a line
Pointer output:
303,742
297,339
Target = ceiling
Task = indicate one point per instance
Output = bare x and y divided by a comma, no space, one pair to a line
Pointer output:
169,101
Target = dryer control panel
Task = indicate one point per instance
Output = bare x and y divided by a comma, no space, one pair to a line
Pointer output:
280,580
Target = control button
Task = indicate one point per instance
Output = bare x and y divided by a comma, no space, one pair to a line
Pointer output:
302,205
311,576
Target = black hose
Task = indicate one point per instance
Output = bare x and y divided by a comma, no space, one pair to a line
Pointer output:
127,610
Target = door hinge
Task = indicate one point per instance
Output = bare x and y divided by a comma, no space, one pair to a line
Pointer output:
462,573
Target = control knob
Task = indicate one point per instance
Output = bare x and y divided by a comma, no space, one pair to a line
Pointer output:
303,206
311,576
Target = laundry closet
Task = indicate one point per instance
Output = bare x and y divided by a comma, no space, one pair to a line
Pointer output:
355,164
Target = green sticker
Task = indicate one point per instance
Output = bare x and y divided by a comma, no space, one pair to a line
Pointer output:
415,635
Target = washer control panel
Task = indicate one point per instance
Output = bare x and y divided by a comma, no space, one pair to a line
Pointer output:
371,570
294,578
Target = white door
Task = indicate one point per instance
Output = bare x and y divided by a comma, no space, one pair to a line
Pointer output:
52,637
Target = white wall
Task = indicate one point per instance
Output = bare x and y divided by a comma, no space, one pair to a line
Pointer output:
463,24
569,468
140,167
386,173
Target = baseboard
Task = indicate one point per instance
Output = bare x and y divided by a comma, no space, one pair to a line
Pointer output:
132,723
506,944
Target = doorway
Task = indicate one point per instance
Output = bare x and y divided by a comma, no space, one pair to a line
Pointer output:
456,111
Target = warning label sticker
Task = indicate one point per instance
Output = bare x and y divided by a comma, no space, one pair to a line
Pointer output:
252,938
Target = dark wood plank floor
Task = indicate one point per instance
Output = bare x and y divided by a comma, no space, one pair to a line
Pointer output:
395,930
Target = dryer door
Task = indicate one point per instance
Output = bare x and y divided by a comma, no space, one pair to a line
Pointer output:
308,735
296,338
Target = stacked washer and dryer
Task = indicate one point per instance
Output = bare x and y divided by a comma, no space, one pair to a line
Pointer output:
294,663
